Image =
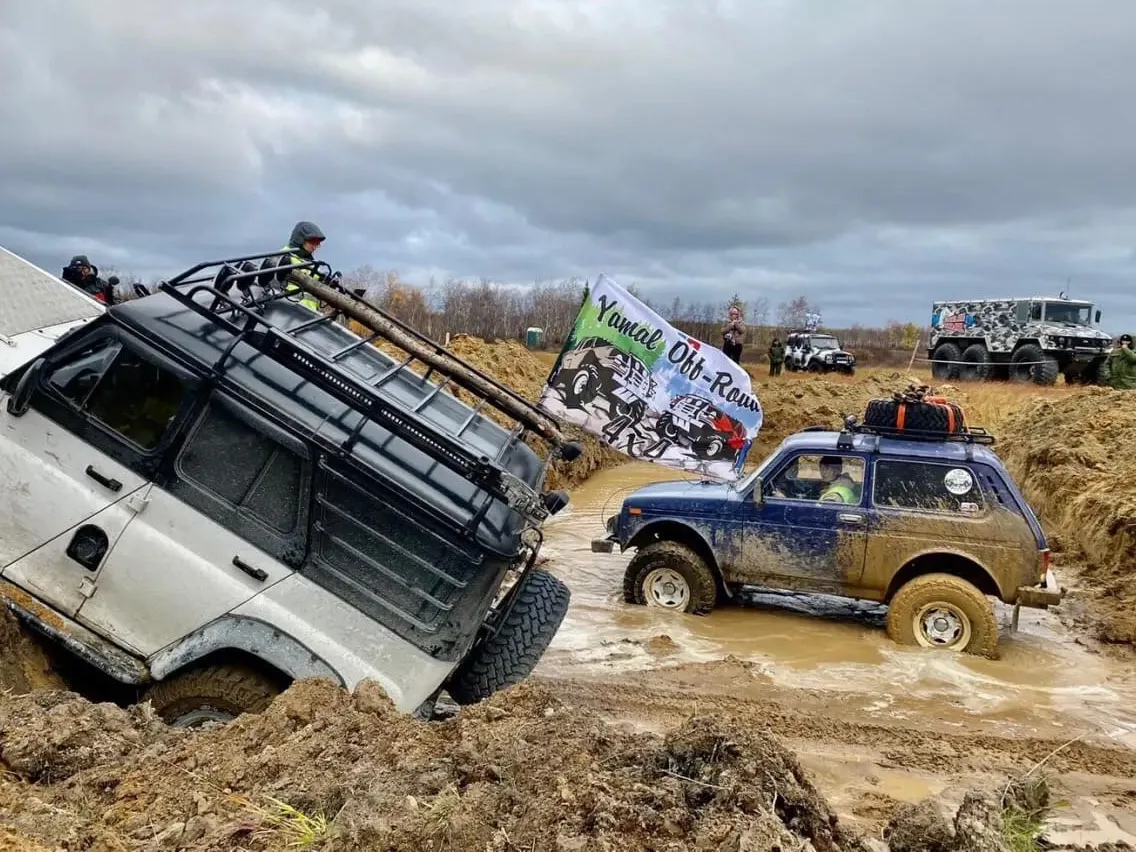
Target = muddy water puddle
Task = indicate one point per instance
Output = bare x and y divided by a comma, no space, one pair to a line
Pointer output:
1044,679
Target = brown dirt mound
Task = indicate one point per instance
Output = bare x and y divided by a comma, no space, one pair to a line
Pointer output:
792,403
1073,457
24,663
520,771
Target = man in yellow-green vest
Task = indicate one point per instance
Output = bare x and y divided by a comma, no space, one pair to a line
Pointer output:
306,239
840,487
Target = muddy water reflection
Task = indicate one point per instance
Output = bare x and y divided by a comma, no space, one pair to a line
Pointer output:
825,644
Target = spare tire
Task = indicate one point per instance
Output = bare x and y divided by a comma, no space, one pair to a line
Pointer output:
931,417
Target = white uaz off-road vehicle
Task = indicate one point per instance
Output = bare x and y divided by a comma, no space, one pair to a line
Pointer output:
213,490
1026,340
817,352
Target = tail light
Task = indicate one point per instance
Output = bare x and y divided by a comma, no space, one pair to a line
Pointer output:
1044,562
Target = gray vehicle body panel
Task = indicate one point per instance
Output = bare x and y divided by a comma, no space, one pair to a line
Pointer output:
998,323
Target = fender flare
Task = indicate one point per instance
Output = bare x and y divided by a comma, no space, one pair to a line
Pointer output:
644,534
248,635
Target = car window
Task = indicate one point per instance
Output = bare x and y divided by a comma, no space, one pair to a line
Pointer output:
828,478
927,487
126,393
238,470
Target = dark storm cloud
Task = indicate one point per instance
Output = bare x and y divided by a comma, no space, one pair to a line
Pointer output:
872,156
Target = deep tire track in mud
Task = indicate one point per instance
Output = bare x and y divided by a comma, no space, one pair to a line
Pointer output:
636,700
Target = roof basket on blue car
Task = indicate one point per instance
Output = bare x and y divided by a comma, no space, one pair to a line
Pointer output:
261,279
971,435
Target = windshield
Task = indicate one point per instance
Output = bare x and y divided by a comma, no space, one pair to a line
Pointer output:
824,343
745,484
1065,312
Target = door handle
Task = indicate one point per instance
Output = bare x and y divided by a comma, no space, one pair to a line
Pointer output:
104,481
254,572
849,518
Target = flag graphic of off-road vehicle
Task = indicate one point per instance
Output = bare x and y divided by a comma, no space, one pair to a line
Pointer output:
697,425
595,371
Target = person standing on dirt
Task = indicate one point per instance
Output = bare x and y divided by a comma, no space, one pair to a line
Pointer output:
776,357
733,334
1122,364
302,245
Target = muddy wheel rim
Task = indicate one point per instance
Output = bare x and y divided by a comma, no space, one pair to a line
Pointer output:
203,715
942,625
666,588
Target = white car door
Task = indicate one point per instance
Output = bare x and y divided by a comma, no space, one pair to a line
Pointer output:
225,521
75,461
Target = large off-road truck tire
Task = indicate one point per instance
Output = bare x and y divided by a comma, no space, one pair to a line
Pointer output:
216,693
670,575
1030,364
507,658
1103,375
934,417
943,611
944,366
977,363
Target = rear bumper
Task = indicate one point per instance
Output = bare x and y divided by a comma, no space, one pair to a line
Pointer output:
1040,597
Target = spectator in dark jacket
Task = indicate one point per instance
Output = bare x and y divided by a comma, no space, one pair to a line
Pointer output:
776,357
733,334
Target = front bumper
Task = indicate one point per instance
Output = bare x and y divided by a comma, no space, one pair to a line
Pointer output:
603,545
1040,597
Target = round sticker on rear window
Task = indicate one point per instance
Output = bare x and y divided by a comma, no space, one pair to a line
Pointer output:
958,481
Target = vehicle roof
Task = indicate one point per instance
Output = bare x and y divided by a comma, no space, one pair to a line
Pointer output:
947,451
177,329
1081,302
33,298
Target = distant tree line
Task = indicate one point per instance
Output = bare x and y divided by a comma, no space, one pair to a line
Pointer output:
502,312
495,311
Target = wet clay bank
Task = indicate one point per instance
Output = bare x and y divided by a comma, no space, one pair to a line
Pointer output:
702,734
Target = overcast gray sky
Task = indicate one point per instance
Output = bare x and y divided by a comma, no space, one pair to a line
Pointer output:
871,155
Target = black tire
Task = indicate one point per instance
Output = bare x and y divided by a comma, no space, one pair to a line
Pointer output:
977,366
1030,364
712,448
945,372
539,604
217,693
1103,375
701,588
918,417
849,371
969,624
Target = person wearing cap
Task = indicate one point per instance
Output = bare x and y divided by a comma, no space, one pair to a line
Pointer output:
1122,364
302,245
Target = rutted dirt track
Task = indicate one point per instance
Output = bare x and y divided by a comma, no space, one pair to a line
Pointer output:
809,727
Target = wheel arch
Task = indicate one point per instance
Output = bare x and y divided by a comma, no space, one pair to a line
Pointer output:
945,562
680,533
234,638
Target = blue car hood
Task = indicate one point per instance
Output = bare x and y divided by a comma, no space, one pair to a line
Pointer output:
681,490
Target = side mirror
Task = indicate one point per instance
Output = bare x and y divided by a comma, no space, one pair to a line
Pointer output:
21,396
758,492
1098,317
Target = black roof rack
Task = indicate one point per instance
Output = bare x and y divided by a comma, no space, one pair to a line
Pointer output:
268,273
972,435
